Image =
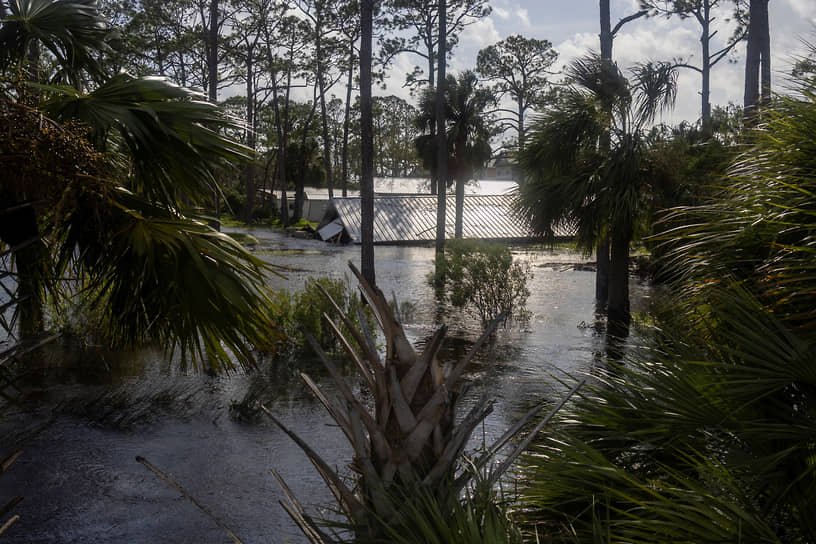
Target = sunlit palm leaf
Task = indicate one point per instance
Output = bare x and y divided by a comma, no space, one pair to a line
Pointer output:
72,30
163,278
168,134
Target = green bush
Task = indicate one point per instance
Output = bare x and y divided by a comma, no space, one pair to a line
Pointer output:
235,200
482,277
303,310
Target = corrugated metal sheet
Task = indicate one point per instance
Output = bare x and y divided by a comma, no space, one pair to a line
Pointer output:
412,218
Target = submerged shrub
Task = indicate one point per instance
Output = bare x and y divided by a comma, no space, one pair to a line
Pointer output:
483,278
303,310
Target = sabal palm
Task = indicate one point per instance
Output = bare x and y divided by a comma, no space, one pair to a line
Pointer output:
587,161
70,30
157,273
709,437
468,132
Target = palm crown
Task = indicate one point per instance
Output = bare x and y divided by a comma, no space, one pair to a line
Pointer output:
114,215
587,162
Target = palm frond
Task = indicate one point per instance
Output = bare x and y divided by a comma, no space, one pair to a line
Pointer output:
170,136
72,30
160,277
657,90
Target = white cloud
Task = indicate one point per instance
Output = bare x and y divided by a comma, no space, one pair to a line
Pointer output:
479,35
524,17
804,8
573,28
501,13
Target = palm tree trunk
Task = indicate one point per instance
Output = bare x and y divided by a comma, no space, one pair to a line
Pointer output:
31,269
18,228
461,178
602,274
460,206
618,307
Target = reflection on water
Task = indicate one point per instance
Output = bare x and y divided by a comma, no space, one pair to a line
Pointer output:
85,417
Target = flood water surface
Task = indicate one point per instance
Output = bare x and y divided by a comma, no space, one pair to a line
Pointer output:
83,420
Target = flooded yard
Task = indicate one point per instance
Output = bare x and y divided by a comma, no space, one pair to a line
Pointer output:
84,419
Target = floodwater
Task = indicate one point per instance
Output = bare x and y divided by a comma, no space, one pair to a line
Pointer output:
83,420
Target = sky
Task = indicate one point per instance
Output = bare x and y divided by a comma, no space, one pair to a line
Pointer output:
572,26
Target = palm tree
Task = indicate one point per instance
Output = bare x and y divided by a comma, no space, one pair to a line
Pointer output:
599,190
709,436
106,200
468,134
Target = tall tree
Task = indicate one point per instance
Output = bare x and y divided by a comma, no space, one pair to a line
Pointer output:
326,51
367,8
246,52
283,65
702,11
468,133
598,190
348,17
518,68
607,41
394,134
757,58
441,140
420,19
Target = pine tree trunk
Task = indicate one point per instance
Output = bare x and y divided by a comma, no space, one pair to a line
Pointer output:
765,51
212,53
349,83
441,137
322,89
705,42
757,57
250,169
602,250
367,143
606,31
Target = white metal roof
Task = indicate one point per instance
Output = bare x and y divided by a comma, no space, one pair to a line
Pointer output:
412,218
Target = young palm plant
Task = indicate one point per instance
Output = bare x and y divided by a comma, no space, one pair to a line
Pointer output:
407,445
587,162
708,437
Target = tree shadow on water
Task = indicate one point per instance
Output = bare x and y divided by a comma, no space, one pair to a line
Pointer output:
615,334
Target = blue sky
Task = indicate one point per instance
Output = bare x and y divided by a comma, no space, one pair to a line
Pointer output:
572,26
